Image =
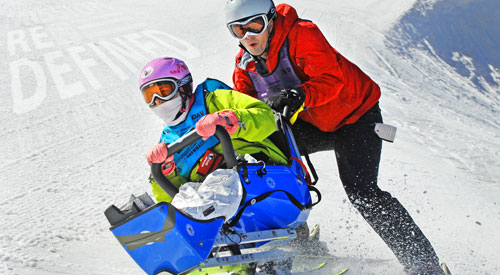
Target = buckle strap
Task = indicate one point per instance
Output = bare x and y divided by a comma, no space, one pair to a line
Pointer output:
311,166
261,197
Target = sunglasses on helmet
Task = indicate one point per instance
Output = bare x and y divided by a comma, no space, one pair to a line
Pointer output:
253,26
164,89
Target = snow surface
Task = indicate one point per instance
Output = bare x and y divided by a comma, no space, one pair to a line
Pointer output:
75,130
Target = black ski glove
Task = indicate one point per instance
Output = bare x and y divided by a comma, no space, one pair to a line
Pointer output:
293,98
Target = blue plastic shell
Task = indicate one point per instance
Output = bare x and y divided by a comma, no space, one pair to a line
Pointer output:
163,239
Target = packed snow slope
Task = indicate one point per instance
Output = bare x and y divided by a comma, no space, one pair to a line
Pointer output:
75,129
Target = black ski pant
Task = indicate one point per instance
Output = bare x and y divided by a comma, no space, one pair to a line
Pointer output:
357,149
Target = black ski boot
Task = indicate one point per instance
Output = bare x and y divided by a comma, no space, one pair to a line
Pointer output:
431,269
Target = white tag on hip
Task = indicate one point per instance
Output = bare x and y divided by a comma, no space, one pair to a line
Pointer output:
385,132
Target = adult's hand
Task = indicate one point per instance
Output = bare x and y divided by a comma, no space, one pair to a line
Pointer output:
293,98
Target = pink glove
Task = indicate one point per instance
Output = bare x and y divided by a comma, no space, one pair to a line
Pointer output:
205,127
158,154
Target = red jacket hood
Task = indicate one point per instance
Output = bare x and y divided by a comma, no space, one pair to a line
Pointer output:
287,16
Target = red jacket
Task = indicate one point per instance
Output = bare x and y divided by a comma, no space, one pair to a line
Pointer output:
337,91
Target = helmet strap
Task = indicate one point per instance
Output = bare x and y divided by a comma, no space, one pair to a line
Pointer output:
270,34
186,93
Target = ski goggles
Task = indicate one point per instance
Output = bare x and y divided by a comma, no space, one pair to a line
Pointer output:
164,89
253,26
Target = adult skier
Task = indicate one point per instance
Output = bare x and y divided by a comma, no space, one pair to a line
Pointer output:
285,60
167,87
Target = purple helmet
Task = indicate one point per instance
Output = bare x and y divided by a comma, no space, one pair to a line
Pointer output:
171,68
163,67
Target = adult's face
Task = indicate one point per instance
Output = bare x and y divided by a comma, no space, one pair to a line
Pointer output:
256,44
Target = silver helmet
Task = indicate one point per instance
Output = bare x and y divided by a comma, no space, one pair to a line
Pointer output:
236,10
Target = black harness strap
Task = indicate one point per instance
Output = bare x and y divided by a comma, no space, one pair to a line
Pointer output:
311,167
265,195
315,190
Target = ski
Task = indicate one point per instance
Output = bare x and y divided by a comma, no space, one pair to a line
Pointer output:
445,269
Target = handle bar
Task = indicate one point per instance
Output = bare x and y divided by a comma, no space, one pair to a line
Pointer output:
177,146
286,112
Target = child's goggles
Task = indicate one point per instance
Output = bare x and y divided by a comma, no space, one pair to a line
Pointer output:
253,26
164,89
